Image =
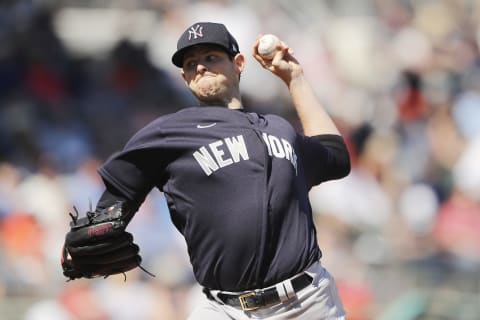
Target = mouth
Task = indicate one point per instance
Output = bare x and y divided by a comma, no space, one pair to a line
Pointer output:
205,75
205,80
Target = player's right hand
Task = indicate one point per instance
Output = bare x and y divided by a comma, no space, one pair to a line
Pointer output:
284,65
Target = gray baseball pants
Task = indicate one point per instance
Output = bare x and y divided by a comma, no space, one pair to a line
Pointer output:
318,301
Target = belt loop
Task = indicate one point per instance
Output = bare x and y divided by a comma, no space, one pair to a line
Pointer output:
213,295
287,284
207,292
282,294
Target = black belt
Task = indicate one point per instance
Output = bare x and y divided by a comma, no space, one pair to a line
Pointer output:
254,300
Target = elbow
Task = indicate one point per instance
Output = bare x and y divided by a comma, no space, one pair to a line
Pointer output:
346,166
343,165
343,161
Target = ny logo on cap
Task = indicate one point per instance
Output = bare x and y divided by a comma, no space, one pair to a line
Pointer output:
195,32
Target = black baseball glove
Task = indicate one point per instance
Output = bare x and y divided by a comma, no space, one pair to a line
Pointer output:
98,245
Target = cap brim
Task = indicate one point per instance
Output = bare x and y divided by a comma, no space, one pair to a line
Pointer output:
177,58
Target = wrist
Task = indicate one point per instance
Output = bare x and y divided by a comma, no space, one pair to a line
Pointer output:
296,81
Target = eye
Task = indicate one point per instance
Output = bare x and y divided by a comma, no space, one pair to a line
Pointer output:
211,58
190,64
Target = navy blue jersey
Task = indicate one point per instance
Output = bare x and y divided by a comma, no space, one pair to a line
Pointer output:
237,187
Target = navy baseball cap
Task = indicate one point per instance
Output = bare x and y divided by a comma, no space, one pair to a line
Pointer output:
205,33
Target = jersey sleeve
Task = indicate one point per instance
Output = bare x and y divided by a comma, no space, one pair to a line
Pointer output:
131,173
134,171
325,157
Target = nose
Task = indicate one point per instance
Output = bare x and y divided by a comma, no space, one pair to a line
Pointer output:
201,68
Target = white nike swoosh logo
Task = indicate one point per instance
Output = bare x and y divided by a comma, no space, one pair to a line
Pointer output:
200,126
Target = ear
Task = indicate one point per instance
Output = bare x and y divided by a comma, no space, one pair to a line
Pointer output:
239,61
184,77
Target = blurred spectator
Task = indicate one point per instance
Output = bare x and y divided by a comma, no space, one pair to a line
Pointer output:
10,178
368,205
22,240
456,228
456,231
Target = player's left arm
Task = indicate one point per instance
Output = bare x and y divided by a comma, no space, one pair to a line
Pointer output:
97,244
314,118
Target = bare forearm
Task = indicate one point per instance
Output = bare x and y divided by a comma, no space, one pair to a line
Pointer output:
313,116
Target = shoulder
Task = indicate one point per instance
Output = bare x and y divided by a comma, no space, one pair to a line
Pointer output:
277,119
157,129
178,116
277,122
171,120
183,122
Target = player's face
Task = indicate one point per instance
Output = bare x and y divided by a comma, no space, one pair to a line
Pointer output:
211,74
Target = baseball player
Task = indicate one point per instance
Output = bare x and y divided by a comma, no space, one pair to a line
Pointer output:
236,183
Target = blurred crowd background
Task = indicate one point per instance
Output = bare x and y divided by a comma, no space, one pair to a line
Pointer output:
401,78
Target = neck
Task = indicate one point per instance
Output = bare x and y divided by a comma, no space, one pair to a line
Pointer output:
233,103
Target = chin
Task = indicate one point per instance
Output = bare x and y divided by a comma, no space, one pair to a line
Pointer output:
209,96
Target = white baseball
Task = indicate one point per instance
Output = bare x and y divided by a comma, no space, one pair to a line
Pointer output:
267,46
